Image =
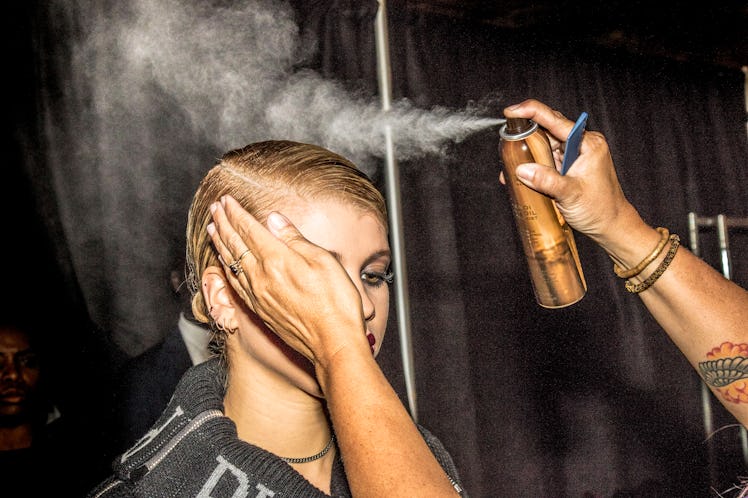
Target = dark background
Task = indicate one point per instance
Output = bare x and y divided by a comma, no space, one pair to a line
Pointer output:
592,400
712,35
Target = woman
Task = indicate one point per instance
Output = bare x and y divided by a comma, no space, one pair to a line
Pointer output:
253,420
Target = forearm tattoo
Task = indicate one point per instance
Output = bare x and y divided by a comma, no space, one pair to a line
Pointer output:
726,370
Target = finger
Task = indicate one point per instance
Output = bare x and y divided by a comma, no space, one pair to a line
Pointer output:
553,121
234,269
231,248
244,230
282,228
543,179
558,160
235,275
224,253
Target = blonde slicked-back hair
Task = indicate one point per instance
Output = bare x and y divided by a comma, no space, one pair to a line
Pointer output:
261,176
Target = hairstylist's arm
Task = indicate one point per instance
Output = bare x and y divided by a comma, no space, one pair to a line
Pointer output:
303,293
698,308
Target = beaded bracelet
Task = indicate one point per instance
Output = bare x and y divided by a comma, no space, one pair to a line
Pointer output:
664,234
637,288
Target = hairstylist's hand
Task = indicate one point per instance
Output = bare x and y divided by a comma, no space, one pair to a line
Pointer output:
589,195
297,288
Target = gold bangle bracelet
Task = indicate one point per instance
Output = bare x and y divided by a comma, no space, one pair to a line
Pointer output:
637,288
664,234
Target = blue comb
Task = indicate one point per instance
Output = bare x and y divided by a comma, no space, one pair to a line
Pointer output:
573,141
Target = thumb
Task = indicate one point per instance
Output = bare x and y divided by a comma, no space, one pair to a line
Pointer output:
541,178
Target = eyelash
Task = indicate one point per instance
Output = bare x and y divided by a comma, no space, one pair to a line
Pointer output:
376,279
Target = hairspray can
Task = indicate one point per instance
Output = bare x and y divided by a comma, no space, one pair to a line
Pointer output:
548,241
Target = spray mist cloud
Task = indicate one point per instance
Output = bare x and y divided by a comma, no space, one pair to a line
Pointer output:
152,92
232,70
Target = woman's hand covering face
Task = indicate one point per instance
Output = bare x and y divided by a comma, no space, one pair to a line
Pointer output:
297,288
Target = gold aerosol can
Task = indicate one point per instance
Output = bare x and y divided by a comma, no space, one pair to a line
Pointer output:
548,241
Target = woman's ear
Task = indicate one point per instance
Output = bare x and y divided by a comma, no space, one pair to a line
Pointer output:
219,298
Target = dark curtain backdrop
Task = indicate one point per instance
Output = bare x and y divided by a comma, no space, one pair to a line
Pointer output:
591,400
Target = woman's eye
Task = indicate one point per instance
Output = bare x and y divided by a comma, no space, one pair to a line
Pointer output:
375,278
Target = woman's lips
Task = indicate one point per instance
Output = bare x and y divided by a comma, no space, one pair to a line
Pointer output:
372,341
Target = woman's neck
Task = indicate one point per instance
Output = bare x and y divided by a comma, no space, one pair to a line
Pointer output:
271,413
274,415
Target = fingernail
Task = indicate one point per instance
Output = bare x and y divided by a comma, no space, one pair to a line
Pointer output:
211,228
525,171
512,107
276,221
213,207
223,200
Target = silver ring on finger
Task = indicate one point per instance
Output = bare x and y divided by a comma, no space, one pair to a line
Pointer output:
236,266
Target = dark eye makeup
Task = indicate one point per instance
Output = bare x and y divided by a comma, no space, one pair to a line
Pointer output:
376,279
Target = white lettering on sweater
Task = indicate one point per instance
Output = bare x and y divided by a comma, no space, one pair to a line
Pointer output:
263,491
151,435
242,482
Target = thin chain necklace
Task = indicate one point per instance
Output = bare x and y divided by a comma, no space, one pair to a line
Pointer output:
313,457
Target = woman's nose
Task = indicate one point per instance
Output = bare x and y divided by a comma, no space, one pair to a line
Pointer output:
366,302
368,306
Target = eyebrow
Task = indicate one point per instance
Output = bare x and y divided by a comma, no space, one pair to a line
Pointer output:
379,254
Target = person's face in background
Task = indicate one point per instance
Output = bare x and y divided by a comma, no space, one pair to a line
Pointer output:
19,375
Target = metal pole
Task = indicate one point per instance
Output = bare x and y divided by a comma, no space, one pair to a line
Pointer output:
706,394
745,93
724,246
392,189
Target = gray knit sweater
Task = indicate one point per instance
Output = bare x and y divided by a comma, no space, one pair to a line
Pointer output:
193,450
